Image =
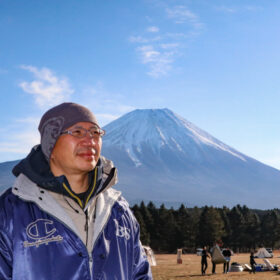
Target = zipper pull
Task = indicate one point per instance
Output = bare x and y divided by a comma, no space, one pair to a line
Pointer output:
86,225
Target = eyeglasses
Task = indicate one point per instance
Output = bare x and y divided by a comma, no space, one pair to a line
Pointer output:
80,132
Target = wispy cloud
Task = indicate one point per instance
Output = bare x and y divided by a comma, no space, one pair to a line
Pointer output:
28,120
47,88
160,52
169,46
140,39
20,136
153,29
253,8
181,14
160,62
226,9
233,10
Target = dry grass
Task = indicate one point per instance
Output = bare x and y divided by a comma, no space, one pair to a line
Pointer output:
168,269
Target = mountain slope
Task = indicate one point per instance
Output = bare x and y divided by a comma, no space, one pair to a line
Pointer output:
6,176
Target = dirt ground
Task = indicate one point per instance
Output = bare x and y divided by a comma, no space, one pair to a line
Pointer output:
168,269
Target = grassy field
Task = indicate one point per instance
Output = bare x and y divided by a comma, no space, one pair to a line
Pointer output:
168,269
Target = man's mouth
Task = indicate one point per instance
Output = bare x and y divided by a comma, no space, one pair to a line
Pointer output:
87,153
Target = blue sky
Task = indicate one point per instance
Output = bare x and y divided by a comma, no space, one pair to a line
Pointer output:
215,63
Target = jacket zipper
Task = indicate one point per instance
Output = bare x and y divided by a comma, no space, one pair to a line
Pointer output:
86,227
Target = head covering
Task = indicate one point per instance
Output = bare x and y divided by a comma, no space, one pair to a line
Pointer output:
59,118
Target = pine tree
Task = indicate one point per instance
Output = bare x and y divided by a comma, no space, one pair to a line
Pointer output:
237,222
270,228
144,234
251,233
227,228
167,229
184,223
211,226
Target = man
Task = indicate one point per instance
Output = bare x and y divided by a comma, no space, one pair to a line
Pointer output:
227,254
62,220
252,263
204,264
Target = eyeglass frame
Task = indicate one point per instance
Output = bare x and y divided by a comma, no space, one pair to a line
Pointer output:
101,132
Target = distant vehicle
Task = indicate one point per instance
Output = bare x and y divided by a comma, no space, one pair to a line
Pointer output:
199,251
269,250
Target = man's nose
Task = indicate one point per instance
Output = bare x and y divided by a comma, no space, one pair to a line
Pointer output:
89,139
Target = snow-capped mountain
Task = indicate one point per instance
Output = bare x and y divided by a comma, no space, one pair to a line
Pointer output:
164,158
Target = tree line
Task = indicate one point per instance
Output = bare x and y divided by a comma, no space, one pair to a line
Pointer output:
239,228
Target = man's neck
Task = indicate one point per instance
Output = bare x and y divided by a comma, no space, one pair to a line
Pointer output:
78,183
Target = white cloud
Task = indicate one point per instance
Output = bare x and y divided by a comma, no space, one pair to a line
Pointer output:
169,46
226,9
153,29
160,53
47,89
182,15
140,39
253,8
159,61
148,54
177,35
137,39
29,120
239,9
20,136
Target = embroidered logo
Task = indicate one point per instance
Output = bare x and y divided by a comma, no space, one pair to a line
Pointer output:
41,232
122,231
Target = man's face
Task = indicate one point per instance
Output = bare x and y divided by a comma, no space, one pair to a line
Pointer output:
72,155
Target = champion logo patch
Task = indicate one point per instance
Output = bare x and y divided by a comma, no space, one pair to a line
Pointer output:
42,231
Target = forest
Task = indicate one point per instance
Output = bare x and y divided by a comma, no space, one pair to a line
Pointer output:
239,228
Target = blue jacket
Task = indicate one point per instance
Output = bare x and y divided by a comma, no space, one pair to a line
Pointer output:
38,241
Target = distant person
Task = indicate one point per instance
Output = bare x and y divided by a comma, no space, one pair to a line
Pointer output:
204,256
62,219
213,263
227,254
252,263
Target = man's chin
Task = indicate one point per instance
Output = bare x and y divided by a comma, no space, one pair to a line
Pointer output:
88,166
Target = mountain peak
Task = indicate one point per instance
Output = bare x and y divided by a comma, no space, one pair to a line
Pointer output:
158,130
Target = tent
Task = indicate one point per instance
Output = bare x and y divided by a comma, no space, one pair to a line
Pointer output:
150,255
263,253
217,256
